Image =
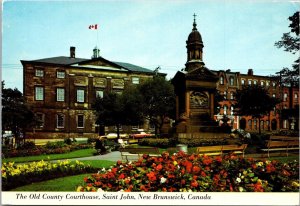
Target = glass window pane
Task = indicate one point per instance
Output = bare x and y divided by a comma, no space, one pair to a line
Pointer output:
60,94
99,93
60,120
60,74
39,72
39,93
80,95
80,121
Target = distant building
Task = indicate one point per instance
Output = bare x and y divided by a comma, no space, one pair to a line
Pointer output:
61,91
229,82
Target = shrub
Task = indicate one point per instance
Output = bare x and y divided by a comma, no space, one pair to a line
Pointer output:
27,145
68,141
55,145
155,142
14,175
201,142
196,173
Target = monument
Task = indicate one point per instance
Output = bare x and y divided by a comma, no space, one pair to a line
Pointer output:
195,87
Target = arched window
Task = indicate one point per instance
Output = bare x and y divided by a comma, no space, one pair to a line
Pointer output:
231,110
262,125
296,97
225,110
250,124
285,96
225,95
255,124
243,81
221,80
231,95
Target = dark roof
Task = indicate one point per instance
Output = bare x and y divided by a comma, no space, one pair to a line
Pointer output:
133,68
62,60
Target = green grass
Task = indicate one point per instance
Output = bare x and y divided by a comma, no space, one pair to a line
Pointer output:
64,184
73,154
98,163
285,159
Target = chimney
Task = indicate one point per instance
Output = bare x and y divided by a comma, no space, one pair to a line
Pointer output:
72,52
250,72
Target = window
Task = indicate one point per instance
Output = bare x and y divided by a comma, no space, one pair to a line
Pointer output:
296,97
274,95
135,80
267,83
262,125
225,110
80,95
221,80
285,124
39,72
231,95
60,94
255,82
273,84
285,95
231,81
60,120
99,93
225,95
80,121
262,83
255,124
243,81
249,82
39,93
249,124
231,110
267,123
60,74
40,120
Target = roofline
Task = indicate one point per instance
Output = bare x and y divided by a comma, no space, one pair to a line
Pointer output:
240,73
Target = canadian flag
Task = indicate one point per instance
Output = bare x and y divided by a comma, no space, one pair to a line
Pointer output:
93,26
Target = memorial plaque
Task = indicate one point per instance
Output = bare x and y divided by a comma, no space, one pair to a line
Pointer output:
198,100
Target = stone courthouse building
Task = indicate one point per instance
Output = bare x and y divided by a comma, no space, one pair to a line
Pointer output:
61,91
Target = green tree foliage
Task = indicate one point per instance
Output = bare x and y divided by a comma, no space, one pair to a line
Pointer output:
119,109
290,42
16,115
254,100
158,101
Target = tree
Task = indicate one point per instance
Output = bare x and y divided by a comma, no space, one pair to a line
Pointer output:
158,101
16,115
290,42
119,109
254,100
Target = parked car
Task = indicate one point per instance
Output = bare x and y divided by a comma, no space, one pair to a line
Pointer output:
140,135
115,136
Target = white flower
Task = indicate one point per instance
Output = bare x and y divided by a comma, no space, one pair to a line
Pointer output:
241,189
103,169
238,180
129,162
100,190
121,190
190,190
163,180
121,166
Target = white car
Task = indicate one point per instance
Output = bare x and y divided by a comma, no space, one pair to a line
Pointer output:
115,136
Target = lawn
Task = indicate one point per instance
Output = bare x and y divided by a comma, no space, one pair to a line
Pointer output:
73,154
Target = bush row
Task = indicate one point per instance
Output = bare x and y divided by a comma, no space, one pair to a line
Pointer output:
49,148
15,175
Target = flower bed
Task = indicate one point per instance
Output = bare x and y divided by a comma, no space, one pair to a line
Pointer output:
14,175
195,173
39,150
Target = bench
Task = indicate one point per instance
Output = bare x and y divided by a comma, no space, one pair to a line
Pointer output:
138,152
284,138
222,149
281,146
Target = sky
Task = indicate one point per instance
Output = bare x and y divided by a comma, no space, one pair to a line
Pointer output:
237,35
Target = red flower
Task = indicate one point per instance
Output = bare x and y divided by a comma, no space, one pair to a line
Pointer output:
286,173
183,182
195,177
218,159
254,166
258,187
196,169
207,161
85,179
194,183
127,181
122,176
114,170
143,187
188,166
159,167
151,176
203,174
170,176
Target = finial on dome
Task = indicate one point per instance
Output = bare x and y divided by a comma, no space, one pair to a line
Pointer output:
194,24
